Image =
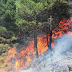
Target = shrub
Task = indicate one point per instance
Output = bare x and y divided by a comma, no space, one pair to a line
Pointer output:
3,49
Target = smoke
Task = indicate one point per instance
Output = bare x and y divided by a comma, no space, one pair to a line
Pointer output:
63,44
28,70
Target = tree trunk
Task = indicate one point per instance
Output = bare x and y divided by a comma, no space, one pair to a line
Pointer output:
35,43
50,39
67,0
47,40
46,31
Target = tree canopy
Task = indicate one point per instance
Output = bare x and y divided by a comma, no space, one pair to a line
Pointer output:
19,17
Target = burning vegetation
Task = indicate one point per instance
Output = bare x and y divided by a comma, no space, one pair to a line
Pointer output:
37,25
24,57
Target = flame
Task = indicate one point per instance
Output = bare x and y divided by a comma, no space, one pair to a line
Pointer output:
11,54
24,57
17,63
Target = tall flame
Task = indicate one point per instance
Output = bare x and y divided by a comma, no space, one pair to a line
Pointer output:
25,56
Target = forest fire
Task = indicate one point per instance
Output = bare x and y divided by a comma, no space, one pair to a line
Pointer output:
24,57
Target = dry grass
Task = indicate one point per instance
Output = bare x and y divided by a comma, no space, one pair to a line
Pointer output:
4,66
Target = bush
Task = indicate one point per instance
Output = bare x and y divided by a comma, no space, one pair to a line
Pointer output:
3,49
3,31
8,41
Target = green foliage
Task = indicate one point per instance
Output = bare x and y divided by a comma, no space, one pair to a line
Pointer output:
7,41
2,29
24,9
13,39
8,14
39,6
26,12
4,48
19,17
60,9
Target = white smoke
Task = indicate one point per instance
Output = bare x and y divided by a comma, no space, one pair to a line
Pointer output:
28,70
63,44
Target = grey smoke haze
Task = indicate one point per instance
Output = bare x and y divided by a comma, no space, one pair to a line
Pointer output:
63,44
29,70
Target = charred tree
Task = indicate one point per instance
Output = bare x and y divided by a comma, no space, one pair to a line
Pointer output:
47,30
35,43
47,40
50,30
67,0
50,39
